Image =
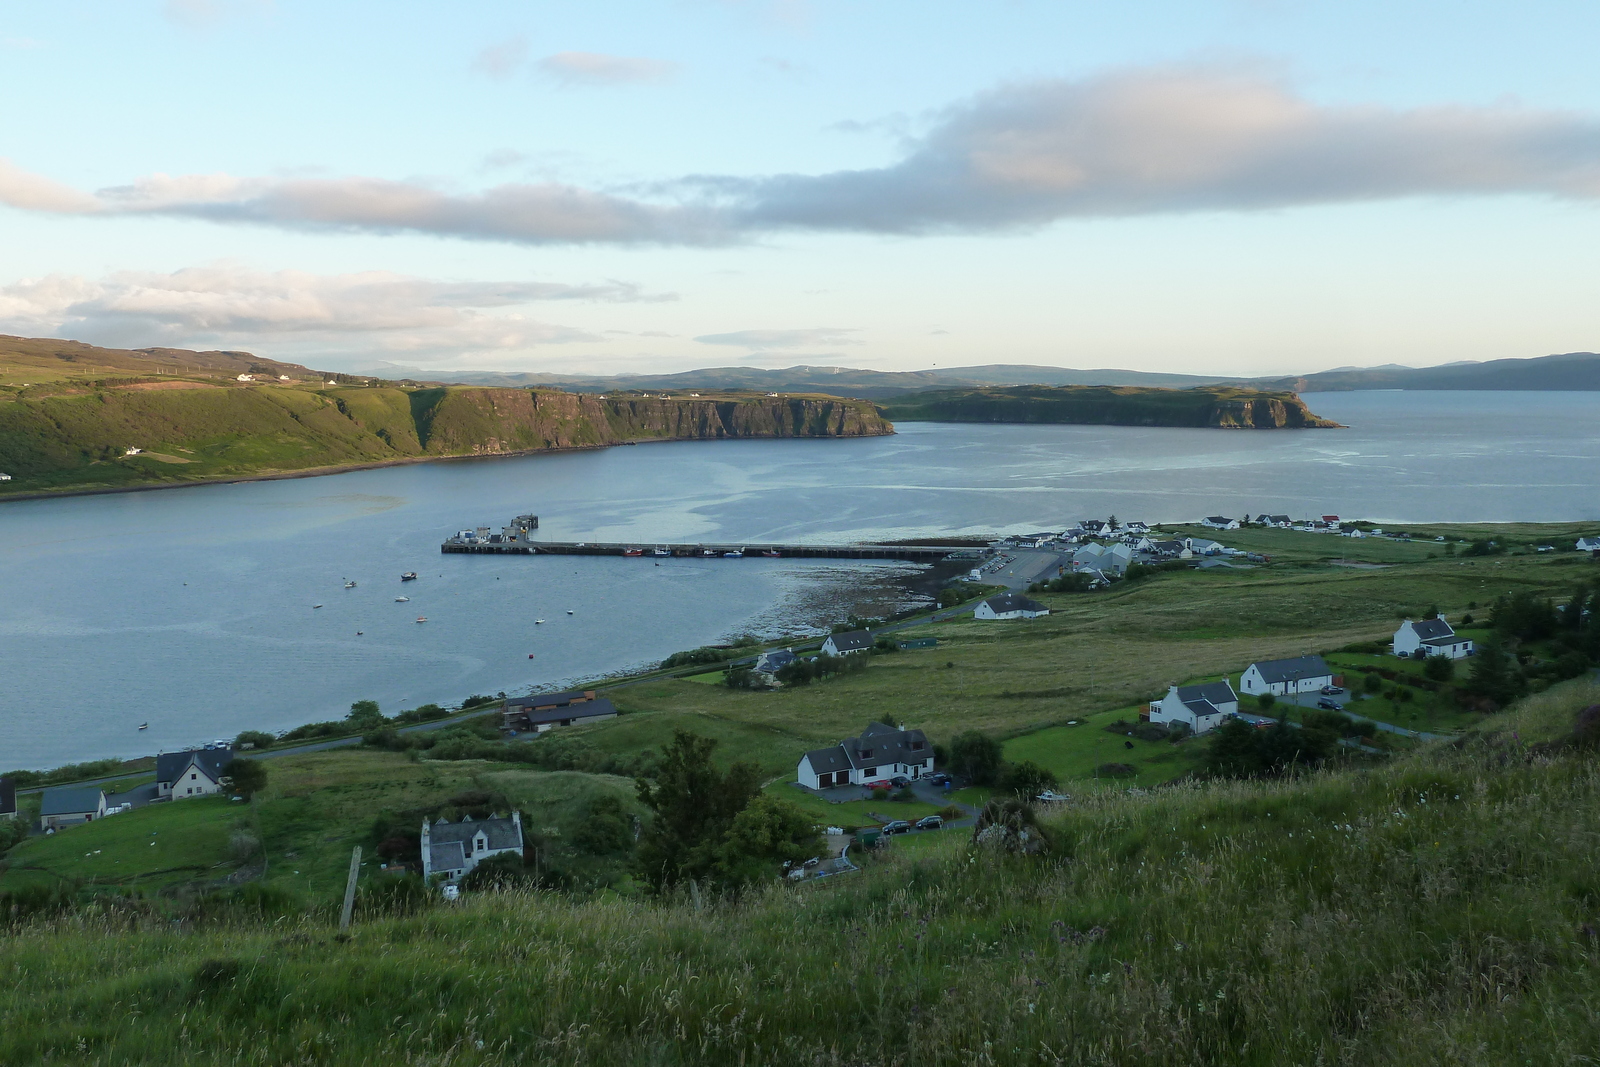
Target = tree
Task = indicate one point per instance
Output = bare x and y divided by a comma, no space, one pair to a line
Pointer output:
605,829
1439,668
255,739
767,832
364,715
976,757
1025,778
693,804
1265,701
248,776
1493,676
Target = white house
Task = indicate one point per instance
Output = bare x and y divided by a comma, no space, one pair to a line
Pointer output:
1220,522
1430,637
880,753
67,806
1199,707
1281,677
1009,606
1589,544
451,850
846,644
1199,546
183,775
5,477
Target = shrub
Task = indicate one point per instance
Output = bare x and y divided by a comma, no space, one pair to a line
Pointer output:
1439,668
255,739
1265,701
880,793
905,792
1025,778
505,871
1373,683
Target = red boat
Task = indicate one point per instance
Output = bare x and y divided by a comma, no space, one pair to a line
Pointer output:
633,552
772,553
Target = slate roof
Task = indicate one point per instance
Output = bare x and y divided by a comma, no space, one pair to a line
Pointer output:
8,797
1288,670
600,707
547,700
885,744
446,856
169,765
501,832
1004,602
1207,698
775,660
828,760
853,641
69,800
1432,629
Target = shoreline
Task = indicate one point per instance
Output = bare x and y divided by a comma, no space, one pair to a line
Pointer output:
347,468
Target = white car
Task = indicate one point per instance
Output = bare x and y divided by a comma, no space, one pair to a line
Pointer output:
1051,796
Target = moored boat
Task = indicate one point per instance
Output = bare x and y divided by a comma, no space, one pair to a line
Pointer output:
349,585
402,600
633,552
772,553
735,554
422,618
409,576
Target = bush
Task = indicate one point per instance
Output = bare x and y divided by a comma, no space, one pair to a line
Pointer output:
704,654
905,792
977,757
1265,701
1373,683
1439,668
505,871
476,700
1025,778
255,739
880,793
312,730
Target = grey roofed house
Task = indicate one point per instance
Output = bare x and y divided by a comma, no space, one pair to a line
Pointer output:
854,641
571,714
71,800
8,798
774,661
1288,670
1431,631
1003,602
550,700
169,765
447,856
455,848
1208,697
829,760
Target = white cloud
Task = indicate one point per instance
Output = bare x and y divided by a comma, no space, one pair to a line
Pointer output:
764,339
223,304
595,68
1138,142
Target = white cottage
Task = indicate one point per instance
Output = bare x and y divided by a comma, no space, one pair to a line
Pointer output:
1009,606
845,644
185,775
1430,637
880,753
451,850
1199,707
1282,677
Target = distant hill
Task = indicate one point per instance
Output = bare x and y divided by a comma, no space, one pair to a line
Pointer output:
1090,405
1568,372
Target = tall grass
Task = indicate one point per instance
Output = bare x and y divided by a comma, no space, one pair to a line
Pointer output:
1439,910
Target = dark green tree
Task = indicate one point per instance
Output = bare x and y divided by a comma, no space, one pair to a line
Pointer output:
248,776
693,804
767,832
364,715
255,738
1494,676
1265,701
976,757
1025,778
1439,668
605,829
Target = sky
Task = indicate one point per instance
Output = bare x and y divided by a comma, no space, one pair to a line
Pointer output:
1194,186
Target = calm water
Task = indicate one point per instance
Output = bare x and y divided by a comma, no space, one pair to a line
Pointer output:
192,608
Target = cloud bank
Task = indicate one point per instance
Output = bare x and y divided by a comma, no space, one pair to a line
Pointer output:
373,311
764,339
595,68
1133,143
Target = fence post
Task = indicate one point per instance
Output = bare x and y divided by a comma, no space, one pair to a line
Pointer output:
350,889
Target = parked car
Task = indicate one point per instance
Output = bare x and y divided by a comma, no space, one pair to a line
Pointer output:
879,784
930,822
899,826
937,779
1332,690
1329,705
899,782
813,861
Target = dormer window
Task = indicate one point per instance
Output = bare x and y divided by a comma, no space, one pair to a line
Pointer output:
866,753
916,746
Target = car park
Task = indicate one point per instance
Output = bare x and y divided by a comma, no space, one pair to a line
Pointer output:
899,826
930,822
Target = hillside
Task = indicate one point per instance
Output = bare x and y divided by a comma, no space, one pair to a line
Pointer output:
1221,408
77,436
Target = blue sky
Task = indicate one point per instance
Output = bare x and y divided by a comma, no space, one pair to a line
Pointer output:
1240,187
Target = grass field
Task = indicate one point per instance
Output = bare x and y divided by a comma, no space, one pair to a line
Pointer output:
1436,910
148,848
854,812
1074,752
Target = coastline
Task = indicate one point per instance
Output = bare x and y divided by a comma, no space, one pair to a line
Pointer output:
346,468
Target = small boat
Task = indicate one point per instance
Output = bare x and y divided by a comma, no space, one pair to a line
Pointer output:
538,622
144,726
569,611
402,600
409,576
349,585
358,633
708,553
422,618
772,553
661,551
633,552
315,606
530,655
735,554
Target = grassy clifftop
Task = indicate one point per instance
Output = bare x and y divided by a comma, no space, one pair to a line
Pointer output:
1217,407
77,436
1441,909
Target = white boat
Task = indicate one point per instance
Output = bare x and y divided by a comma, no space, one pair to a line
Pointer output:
349,585
538,622
402,600
735,554
569,611
144,726
422,618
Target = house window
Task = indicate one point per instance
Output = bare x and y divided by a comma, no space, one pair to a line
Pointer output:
870,772
866,753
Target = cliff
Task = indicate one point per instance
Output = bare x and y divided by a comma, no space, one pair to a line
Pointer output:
77,436
1214,407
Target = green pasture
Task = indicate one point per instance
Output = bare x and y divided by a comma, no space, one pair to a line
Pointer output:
852,812
1073,752
150,847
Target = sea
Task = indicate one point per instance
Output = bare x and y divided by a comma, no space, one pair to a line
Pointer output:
194,610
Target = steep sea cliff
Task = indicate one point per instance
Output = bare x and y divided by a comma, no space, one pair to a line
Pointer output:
1219,408
97,438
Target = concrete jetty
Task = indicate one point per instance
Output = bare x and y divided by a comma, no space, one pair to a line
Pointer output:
707,550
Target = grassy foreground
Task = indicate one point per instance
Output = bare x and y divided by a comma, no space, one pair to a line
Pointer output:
1440,909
